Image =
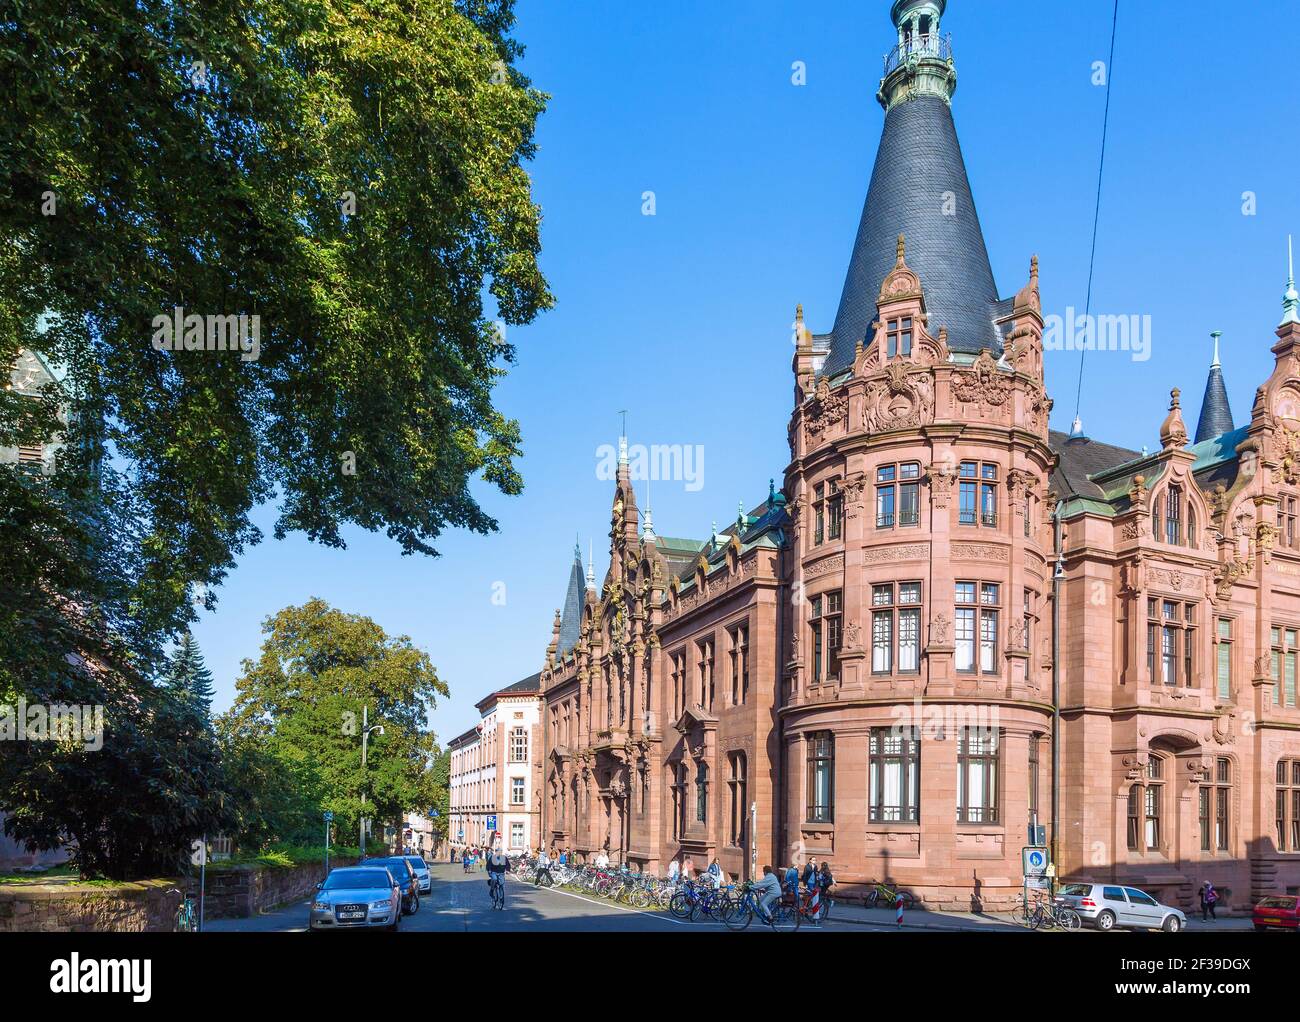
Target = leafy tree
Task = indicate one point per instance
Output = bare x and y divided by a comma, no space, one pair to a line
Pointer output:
188,675
132,807
441,777
303,698
351,174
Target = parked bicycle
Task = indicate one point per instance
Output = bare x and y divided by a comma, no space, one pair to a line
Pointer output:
187,918
884,894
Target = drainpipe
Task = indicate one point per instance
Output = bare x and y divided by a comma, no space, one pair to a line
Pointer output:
1057,575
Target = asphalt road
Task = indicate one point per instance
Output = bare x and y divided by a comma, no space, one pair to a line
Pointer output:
459,903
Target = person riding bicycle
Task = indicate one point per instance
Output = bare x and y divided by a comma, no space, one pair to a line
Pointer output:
498,865
768,892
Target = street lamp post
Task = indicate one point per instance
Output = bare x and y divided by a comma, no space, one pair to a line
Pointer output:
366,728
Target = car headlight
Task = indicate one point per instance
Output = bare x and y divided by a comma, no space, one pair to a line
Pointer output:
320,906
381,904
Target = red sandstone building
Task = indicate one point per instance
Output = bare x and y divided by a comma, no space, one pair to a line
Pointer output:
862,667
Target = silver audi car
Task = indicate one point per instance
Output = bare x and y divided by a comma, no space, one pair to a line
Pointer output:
356,898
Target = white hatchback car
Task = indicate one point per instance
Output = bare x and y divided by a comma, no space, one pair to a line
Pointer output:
1106,906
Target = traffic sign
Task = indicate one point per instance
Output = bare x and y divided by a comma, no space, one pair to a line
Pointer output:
1035,860
329,816
492,822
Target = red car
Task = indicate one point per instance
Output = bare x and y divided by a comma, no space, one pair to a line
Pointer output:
1278,910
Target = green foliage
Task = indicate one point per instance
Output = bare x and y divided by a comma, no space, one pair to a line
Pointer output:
208,156
187,674
132,808
293,737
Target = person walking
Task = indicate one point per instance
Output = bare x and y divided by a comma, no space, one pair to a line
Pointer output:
1209,897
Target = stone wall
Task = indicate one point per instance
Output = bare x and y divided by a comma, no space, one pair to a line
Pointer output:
65,906
237,892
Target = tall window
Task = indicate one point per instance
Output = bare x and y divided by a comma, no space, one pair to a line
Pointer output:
1174,515
893,775
977,494
516,791
739,664
1144,803
977,775
827,613
898,499
1284,666
737,791
977,617
821,777
1286,521
679,800
678,661
896,628
1288,805
1223,659
1171,642
1033,777
519,744
702,793
819,514
1222,794
705,663
898,337
834,512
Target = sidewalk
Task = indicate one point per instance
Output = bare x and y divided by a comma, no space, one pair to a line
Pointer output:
924,919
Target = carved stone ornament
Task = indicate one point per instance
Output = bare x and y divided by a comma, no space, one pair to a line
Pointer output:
940,629
941,478
1288,456
982,385
901,399
852,635
826,411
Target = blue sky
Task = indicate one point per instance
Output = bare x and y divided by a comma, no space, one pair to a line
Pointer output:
683,318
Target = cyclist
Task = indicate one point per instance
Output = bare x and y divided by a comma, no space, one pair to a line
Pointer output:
498,865
768,891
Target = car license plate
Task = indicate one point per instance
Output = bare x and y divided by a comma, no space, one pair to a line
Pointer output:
352,915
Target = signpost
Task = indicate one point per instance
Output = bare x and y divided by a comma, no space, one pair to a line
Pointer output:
199,857
1036,863
329,818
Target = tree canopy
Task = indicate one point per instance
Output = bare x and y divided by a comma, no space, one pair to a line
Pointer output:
301,704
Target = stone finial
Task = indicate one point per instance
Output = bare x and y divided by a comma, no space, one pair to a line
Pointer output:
901,251
1173,432
1291,299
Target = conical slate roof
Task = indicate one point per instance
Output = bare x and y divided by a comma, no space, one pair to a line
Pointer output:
1216,416
919,189
571,617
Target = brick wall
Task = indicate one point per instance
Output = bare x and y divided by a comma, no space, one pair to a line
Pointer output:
237,892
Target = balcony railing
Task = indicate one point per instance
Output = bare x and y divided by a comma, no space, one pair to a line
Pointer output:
938,47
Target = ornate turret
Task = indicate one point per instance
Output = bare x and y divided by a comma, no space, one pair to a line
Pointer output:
1216,416
918,188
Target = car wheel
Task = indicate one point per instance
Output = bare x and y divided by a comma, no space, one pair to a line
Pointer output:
1172,924
1261,929
1106,921
397,921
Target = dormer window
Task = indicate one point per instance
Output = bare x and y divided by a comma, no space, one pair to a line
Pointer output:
1174,516
898,337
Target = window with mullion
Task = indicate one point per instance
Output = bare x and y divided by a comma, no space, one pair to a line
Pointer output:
893,775
898,337
1284,666
977,775
1223,659
821,768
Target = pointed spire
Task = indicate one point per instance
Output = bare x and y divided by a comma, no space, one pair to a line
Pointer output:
741,522
1216,416
591,566
1291,299
648,533
569,623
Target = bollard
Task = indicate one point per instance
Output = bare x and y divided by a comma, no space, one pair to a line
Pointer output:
898,915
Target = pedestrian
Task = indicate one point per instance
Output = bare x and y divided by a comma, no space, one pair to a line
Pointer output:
674,872
809,872
1209,897
792,882
688,868
715,873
